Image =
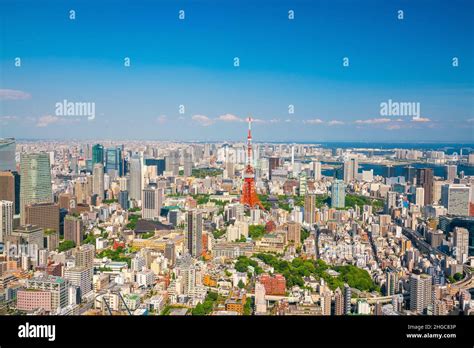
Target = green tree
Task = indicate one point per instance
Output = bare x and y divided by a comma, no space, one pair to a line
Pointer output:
241,284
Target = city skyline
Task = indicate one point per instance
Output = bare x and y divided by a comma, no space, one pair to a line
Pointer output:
283,62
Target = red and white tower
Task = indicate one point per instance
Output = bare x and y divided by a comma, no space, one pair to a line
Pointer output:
249,195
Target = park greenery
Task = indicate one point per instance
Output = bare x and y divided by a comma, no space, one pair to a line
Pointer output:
66,245
115,255
132,221
455,278
256,231
287,202
204,172
206,307
218,233
298,268
243,262
147,235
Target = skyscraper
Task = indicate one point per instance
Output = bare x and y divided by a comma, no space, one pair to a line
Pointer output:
389,171
7,186
44,215
7,154
73,229
420,292
188,164
152,202
317,170
35,186
309,208
136,178
194,232
410,174
351,168
338,302
338,194
450,172
420,196
113,162
97,154
461,244
424,178
6,219
98,180
455,197
347,299
391,282
123,199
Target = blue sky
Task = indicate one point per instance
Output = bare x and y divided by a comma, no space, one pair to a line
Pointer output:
190,62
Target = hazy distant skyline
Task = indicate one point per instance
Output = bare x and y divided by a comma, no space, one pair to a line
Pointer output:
190,62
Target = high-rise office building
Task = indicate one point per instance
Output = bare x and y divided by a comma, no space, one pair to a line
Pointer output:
455,198
338,194
152,202
7,154
317,171
420,196
351,168
80,277
338,302
114,162
391,282
6,219
424,178
420,292
73,229
450,172
172,162
170,253
44,215
410,174
194,232
294,233
136,178
273,163
98,180
188,164
309,208
389,171
97,154
123,199
7,187
35,185
347,299
461,244
85,256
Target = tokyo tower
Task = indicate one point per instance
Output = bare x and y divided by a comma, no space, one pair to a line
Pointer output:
249,196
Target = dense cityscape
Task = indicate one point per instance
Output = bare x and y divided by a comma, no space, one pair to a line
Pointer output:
235,228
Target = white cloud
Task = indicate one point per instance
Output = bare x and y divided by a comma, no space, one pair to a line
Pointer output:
202,120
229,118
4,120
335,123
11,94
313,121
374,121
421,119
45,121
